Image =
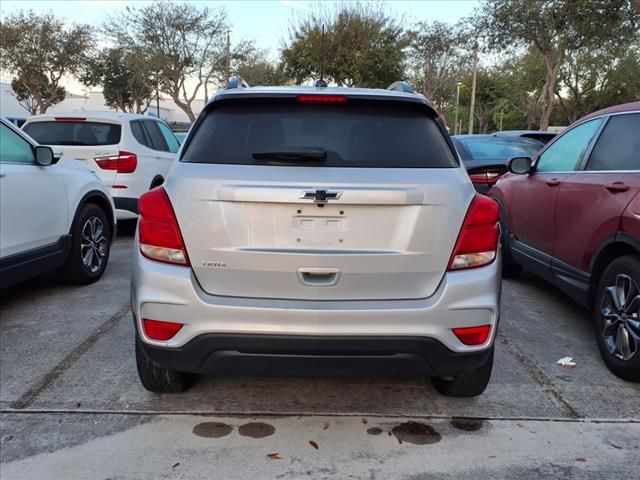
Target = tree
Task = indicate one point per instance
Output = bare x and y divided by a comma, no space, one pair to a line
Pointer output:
185,45
436,55
554,28
259,71
125,78
363,46
39,51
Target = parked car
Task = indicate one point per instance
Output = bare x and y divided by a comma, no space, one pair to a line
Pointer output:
485,156
541,136
317,230
572,216
181,136
54,213
130,153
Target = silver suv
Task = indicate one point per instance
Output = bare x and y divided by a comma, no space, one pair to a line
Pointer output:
317,231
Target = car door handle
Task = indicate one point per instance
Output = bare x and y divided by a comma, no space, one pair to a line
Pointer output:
318,277
616,187
554,182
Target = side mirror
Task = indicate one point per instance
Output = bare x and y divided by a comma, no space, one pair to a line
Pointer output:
519,165
44,156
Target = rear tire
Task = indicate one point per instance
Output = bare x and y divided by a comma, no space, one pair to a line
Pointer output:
90,246
617,324
157,379
509,267
470,384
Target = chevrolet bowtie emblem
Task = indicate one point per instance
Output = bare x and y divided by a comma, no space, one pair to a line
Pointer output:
320,197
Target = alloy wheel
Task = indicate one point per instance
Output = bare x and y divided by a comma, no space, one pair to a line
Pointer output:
620,312
93,244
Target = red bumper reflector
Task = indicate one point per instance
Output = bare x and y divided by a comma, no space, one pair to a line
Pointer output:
157,330
473,335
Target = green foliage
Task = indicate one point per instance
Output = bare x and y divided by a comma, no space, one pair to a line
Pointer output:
363,46
39,50
125,77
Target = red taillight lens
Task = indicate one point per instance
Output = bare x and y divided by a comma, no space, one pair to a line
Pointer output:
124,162
473,335
158,231
478,240
160,330
487,177
321,99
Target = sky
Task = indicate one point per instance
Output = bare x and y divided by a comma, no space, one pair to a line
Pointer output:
264,21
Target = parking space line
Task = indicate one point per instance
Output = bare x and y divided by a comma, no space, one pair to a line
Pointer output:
30,395
541,378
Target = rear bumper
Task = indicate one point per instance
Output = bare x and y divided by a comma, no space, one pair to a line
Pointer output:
335,356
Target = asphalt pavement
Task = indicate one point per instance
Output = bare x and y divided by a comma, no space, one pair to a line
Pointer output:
71,406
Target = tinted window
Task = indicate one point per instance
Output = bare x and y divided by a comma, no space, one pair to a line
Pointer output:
74,133
353,135
169,137
13,148
618,147
140,134
157,140
564,154
497,148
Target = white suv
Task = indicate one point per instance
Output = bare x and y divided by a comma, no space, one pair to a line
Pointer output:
54,213
130,153
315,231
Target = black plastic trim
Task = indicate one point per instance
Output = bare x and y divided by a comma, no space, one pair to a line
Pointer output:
531,258
124,203
572,281
307,355
21,266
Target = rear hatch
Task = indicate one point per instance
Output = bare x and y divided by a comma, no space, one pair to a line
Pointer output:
327,201
85,139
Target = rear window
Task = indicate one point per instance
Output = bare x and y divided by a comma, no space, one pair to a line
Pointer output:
495,148
74,133
352,134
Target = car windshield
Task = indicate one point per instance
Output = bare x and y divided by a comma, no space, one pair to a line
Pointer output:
496,148
352,135
74,133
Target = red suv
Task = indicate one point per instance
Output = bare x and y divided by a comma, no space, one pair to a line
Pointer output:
572,216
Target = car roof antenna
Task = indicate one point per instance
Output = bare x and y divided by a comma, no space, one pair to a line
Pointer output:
320,82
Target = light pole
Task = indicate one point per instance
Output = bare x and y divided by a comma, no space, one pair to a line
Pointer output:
455,123
473,88
228,57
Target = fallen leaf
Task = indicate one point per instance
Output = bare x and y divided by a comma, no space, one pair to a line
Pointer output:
581,459
274,456
313,444
519,425
326,425
176,465
364,421
492,456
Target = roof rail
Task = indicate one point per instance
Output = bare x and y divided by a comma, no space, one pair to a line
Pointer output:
236,82
320,83
401,86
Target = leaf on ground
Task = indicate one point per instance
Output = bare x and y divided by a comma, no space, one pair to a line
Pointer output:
313,444
176,465
581,459
364,421
326,425
492,456
274,456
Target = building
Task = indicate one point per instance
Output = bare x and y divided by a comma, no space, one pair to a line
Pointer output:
92,101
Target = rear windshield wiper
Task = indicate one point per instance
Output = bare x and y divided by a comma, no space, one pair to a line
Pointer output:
300,154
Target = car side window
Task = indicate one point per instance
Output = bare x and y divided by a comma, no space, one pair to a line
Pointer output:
140,134
169,137
14,148
565,153
157,140
618,147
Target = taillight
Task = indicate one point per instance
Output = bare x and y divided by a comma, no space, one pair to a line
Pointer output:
321,99
478,240
124,162
160,330
158,231
473,335
486,177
